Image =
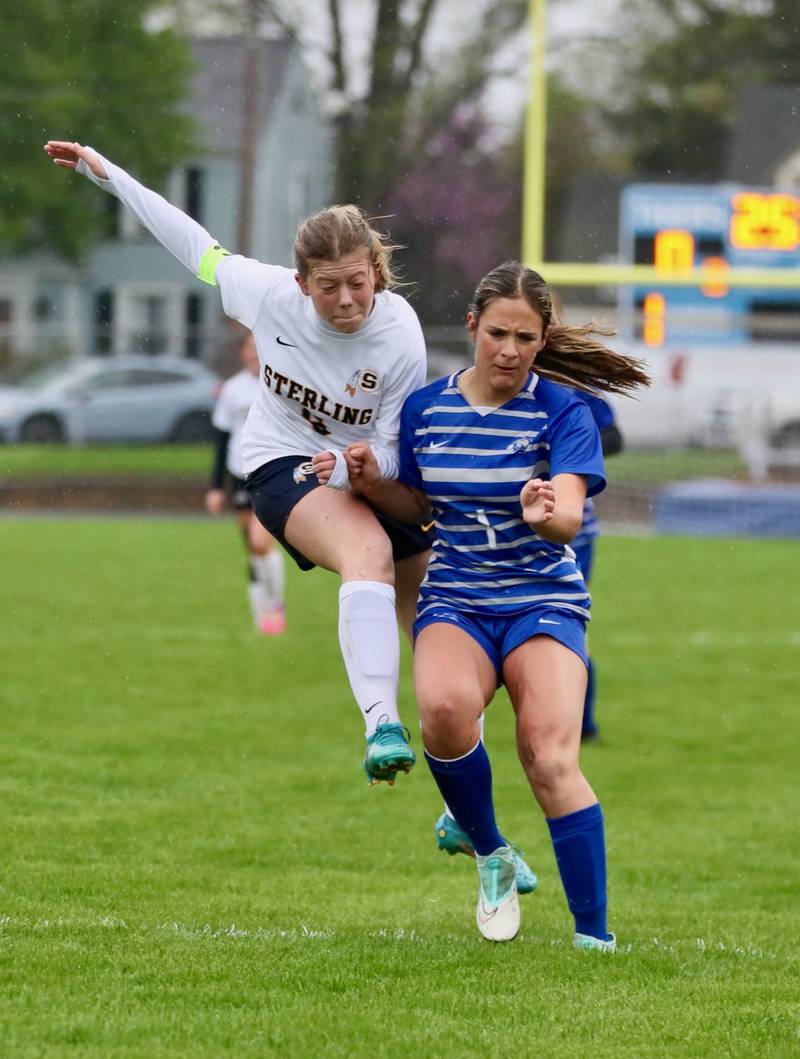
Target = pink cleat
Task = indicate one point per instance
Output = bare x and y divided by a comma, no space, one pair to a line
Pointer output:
274,623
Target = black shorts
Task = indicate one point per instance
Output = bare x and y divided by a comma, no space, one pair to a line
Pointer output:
277,486
238,494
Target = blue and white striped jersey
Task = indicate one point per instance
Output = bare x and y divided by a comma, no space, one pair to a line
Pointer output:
472,464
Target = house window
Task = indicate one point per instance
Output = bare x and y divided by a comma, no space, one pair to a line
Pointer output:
6,320
194,193
148,324
194,325
45,308
103,322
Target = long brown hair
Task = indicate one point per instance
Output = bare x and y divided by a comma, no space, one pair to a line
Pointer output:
570,355
339,230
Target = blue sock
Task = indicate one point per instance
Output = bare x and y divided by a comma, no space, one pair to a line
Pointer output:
580,848
589,726
466,786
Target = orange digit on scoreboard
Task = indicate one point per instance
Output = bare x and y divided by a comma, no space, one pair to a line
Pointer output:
673,250
764,222
654,329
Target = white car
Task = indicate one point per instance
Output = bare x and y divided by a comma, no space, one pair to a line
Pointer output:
127,398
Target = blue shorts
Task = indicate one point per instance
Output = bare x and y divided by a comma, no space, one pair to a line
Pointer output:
277,486
500,635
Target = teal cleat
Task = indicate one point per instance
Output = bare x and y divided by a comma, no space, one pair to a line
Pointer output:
586,943
388,753
497,913
451,840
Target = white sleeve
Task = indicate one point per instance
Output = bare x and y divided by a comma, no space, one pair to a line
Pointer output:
174,229
410,376
222,418
243,283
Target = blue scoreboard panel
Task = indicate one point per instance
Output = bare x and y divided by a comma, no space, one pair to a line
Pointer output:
721,226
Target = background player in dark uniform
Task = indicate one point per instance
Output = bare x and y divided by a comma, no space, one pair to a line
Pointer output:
265,561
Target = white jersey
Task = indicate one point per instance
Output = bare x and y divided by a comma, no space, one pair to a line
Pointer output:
230,413
319,389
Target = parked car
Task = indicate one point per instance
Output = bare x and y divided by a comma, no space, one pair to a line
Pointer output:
126,398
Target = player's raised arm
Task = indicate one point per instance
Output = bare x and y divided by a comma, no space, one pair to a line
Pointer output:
175,230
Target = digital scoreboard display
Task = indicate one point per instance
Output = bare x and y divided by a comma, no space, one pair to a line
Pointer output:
719,226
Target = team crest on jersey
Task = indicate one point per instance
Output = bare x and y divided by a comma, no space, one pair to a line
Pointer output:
365,379
302,472
522,445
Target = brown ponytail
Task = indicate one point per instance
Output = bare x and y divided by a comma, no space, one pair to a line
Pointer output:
570,355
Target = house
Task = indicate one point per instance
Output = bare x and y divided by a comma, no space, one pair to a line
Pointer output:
765,137
132,296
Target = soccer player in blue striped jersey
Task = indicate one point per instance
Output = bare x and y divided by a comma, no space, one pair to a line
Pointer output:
503,457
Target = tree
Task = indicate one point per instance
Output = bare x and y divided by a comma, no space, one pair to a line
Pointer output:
682,66
457,214
85,71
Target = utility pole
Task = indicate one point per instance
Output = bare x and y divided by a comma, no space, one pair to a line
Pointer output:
251,58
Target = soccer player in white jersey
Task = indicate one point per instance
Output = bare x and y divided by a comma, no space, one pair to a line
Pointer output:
339,353
503,458
265,586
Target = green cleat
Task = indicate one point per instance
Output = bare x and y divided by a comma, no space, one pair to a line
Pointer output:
388,753
451,840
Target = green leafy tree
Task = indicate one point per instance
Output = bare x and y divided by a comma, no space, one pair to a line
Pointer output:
90,71
680,66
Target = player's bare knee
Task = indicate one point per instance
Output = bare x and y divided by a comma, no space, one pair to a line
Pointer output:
446,721
548,766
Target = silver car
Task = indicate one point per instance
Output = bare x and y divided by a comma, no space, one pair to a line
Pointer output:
126,398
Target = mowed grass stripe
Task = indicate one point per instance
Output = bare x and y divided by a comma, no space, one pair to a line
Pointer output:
193,864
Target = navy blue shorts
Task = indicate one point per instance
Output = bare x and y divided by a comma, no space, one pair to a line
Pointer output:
499,635
277,486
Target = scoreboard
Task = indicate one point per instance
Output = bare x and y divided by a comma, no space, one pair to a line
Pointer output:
719,226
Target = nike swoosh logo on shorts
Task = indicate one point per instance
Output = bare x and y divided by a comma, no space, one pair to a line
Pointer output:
280,342
546,621
437,444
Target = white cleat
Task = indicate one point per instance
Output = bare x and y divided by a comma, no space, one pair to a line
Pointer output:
498,905
587,943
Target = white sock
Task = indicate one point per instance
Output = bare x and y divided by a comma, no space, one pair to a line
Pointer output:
255,596
269,574
371,648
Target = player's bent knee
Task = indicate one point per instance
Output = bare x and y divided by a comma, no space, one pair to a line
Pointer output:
445,717
548,769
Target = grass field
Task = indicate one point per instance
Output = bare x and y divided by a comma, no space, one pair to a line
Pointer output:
193,865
